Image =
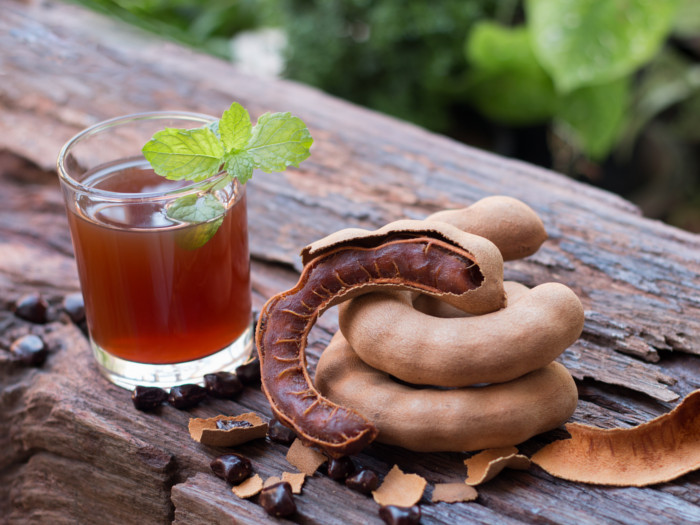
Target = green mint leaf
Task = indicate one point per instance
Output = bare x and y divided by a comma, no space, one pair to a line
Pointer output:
235,127
204,212
194,154
279,140
239,164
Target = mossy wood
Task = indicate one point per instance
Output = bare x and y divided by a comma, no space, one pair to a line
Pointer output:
73,449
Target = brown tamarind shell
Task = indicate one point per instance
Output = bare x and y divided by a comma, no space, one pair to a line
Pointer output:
436,259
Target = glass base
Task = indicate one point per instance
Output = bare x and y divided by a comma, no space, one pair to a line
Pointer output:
129,374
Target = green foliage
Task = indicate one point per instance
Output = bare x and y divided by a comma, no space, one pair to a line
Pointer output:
401,58
507,83
571,63
587,42
204,24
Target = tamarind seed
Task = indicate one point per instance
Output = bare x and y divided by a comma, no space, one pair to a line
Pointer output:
364,481
224,385
30,350
249,373
393,515
32,307
74,306
234,468
228,424
186,396
148,397
277,500
340,468
279,433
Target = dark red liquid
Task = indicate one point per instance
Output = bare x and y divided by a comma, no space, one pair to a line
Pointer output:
149,299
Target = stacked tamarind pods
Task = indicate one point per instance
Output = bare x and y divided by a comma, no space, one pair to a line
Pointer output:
435,352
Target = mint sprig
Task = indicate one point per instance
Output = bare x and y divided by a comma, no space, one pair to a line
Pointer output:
232,143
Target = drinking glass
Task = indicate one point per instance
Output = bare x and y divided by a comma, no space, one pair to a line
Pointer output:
166,302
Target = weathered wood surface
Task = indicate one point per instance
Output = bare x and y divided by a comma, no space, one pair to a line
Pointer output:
72,449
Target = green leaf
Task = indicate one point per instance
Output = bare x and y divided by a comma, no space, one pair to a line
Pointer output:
205,215
585,42
193,154
279,140
507,84
235,127
239,164
594,116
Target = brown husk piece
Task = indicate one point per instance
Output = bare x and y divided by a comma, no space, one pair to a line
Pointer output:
306,459
487,464
295,479
249,488
272,480
399,489
660,450
204,430
454,492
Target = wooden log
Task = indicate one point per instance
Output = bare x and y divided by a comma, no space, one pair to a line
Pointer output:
70,440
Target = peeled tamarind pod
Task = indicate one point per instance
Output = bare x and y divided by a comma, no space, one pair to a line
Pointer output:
432,420
388,333
509,223
463,269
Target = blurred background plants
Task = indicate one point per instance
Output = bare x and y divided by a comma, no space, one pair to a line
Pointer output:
603,90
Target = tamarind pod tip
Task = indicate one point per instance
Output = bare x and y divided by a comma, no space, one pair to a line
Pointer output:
509,223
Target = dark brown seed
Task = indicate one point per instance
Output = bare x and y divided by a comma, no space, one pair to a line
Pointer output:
186,396
277,500
234,468
249,372
364,481
278,433
392,515
224,385
74,306
340,468
228,424
30,350
148,397
32,307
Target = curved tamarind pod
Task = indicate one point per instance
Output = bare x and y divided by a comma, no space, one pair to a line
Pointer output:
507,222
488,297
439,420
433,306
467,273
388,333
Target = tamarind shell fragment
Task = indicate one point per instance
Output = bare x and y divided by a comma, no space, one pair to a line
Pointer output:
439,420
436,259
389,334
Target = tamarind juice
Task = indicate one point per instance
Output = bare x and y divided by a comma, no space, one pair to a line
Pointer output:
152,293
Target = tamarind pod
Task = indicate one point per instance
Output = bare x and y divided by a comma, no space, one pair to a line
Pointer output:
420,261
388,333
507,222
432,419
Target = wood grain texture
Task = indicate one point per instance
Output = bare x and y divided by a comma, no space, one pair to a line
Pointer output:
71,446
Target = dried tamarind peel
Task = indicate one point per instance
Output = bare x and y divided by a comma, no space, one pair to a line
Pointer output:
440,420
453,493
400,489
437,259
507,222
486,465
207,432
660,450
389,334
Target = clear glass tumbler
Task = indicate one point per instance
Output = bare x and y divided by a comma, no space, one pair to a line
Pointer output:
165,304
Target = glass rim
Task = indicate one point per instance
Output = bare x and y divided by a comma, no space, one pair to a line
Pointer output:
116,196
